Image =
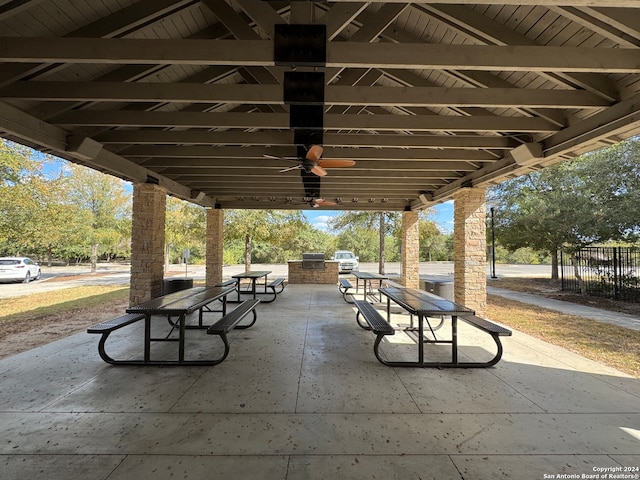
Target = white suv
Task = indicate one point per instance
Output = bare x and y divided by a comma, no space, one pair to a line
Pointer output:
347,261
18,269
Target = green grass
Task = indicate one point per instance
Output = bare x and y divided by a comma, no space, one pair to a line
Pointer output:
50,303
602,342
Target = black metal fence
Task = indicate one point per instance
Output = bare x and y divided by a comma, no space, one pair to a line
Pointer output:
610,272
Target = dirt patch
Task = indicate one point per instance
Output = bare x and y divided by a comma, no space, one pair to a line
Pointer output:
19,336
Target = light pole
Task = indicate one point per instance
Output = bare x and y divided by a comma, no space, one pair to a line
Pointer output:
493,247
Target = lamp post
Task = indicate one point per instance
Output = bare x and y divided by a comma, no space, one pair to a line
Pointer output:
493,246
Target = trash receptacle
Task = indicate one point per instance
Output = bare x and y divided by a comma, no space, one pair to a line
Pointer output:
442,289
171,285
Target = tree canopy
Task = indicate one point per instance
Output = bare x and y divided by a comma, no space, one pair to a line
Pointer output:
64,211
591,199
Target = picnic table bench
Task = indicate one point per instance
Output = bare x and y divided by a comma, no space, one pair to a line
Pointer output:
231,321
277,286
375,323
108,327
425,305
496,331
344,286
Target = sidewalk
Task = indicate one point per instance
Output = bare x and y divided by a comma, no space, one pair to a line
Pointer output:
615,318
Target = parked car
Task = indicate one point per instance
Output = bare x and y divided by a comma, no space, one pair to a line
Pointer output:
347,261
18,269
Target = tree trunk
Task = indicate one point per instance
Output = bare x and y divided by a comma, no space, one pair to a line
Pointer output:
382,229
247,253
576,270
167,247
94,258
554,265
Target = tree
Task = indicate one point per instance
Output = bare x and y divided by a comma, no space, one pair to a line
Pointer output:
16,163
432,242
37,217
262,225
590,199
383,222
356,228
307,239
107,207
185,228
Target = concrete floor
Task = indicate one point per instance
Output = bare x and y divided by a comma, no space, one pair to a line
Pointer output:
301,396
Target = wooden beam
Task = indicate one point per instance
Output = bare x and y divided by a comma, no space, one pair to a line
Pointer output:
273,94
281,121
339,54
265,138
206,153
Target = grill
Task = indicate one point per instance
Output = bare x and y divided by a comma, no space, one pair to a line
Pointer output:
313,261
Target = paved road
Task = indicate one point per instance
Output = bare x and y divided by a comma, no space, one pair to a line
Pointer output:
53,278
58,278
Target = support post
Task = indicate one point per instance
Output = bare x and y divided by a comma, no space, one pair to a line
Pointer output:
147,242
470,249
214,246
410,250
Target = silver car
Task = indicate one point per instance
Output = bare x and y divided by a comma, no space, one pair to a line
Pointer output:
18,269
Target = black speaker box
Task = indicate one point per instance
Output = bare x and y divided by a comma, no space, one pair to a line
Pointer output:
304,88
309,117
300,44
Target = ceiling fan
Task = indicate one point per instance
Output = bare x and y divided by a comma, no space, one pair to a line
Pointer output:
321,202
314,163
314,202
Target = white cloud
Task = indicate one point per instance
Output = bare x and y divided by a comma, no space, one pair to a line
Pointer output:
321,222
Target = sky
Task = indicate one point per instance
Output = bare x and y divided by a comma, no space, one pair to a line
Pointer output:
443,217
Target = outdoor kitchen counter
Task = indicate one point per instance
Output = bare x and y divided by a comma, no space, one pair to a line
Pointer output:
327,275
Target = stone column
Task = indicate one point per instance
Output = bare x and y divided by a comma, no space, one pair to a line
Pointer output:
147,242
214,246
410,250
470,249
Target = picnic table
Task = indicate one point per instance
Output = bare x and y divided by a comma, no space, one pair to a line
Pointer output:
181,304
253,277
270,288
367,282
424,305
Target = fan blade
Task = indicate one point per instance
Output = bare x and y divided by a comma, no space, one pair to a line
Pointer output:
319,171
335,163
314,153
321,202
289,169
272,157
